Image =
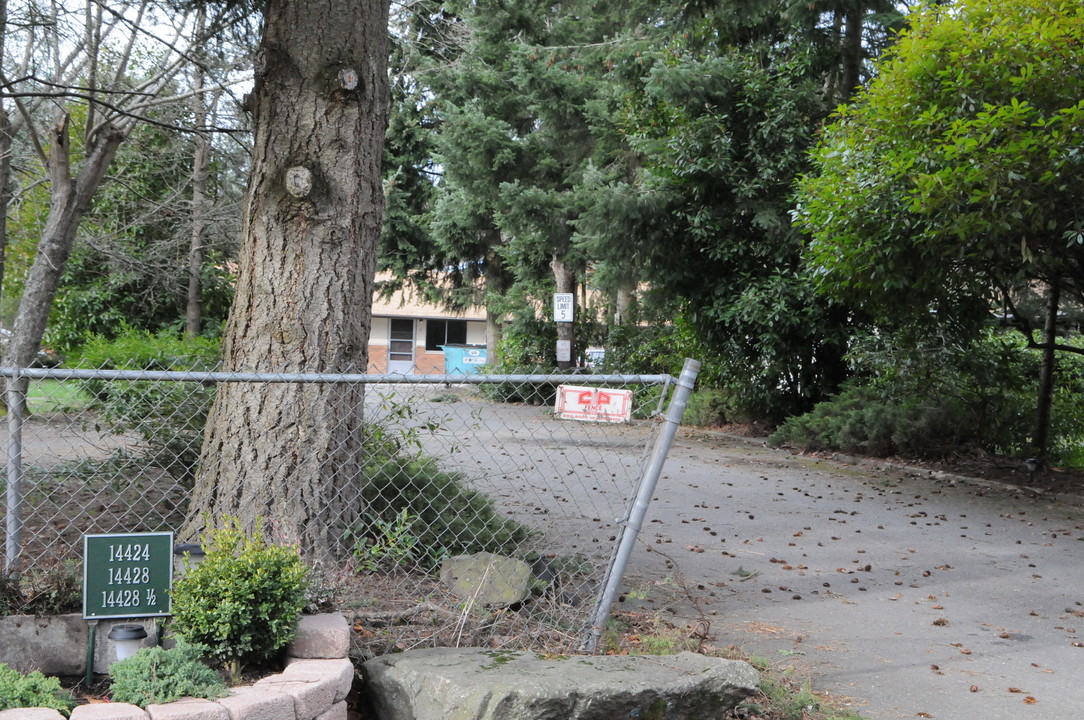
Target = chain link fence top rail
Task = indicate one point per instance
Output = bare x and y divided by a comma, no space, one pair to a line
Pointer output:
458,465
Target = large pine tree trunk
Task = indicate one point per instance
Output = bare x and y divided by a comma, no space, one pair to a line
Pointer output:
290,456
498,282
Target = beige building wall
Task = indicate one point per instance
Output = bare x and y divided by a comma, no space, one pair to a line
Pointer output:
402,308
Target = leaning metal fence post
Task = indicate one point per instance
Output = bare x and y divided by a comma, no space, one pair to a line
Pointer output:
15,398
644,492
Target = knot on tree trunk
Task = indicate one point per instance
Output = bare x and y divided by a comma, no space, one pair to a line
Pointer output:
348,79
299,181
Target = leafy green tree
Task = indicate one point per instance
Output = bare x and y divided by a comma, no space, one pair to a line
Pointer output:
80,80
128,266
952,185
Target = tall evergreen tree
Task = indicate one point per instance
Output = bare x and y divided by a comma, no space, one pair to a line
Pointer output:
519,96
722,116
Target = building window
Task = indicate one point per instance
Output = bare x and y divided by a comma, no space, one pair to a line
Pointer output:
445,332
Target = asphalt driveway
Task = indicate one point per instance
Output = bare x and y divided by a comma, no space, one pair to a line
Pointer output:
903,596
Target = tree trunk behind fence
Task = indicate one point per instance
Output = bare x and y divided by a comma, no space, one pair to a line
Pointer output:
284,455
1040,437
69,198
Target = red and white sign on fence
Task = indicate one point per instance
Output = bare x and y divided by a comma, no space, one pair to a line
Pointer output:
593,404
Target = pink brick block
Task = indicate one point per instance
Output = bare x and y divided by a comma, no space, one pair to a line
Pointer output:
250,703
108,711
337,712
30,714
312,695
341,671
188,709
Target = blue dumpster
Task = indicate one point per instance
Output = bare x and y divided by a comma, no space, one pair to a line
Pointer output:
463,359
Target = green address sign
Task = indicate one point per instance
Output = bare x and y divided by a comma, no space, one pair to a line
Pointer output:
127,575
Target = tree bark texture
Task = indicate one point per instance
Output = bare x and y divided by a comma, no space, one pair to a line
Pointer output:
285,456
1040,437
852,58
201,161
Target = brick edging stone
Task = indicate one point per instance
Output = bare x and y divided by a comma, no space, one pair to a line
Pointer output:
313,686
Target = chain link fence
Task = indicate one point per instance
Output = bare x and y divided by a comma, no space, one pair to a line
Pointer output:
455,466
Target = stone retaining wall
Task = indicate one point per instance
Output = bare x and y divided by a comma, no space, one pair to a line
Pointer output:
313,686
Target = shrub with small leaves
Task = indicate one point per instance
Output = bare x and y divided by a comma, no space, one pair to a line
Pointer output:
243,600
418,514
32,690
393,544
157,675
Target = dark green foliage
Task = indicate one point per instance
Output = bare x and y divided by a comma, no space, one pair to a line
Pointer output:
923,400
512,107
168,416
445,517
710,407
243,601
659,347
1067,421
722,116
157,675
857,421
528,346
32,690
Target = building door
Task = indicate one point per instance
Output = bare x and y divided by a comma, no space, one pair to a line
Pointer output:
401,346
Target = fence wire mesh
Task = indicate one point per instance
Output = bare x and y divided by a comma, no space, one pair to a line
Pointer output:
455,465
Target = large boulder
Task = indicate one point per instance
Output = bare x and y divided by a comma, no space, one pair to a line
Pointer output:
478,684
